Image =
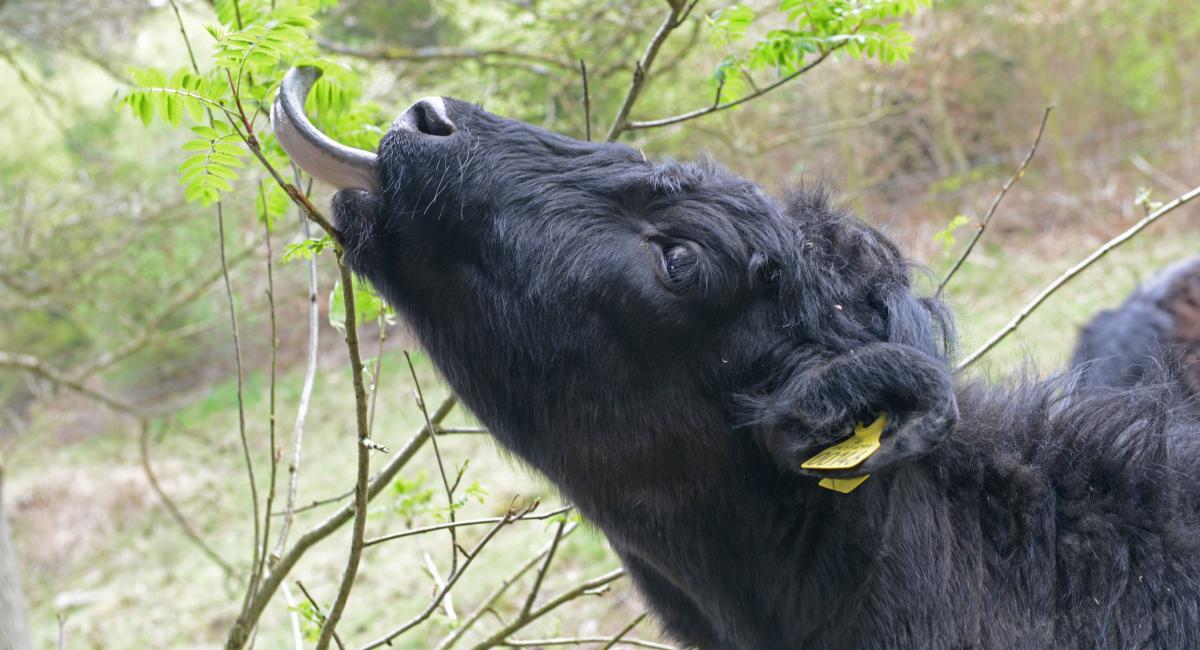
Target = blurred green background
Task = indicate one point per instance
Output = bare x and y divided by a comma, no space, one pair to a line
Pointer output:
107,272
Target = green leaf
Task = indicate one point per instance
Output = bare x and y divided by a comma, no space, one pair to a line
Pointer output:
945,236
305,250
367,305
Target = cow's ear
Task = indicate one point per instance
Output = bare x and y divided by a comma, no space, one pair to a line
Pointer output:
819,405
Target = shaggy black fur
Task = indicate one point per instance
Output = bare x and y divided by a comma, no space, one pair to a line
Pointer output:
667,344
1157,326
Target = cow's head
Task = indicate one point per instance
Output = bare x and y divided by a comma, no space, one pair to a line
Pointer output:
566,286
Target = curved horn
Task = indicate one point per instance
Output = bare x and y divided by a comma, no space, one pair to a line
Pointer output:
315,152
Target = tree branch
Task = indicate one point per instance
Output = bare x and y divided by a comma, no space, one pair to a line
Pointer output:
987,218
428,54
317,610
450,581
541,574
310,376
361,497
679,12
587,102
252,586
35,365
469,522
169,504
500,638
497,593
239,633
1076,270
701,112
586,640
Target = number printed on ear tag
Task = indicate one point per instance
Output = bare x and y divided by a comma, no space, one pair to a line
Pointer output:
850,453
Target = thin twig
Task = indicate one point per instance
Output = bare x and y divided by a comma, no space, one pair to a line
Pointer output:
169,504
490,600
987,218
584,588
585,640
271,414
382,320
252,586
361,497
450,581
186,41
248,618
541,574
437,454
439,583
701,112
310,376
297,633
1144,166
463,524
587,103
1076,270
317,610
36,366
445,431
678,14
626,630
424,54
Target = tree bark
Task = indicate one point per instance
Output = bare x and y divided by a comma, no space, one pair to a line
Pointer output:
14,635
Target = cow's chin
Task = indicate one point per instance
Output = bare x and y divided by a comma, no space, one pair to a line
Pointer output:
355,210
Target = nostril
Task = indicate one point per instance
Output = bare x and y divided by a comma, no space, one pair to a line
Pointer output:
428,116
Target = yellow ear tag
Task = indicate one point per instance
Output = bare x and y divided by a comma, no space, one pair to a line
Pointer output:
843,485
849,454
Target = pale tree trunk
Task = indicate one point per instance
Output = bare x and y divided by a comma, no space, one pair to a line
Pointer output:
14,635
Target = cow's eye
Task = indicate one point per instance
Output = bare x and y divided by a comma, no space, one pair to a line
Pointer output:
678,263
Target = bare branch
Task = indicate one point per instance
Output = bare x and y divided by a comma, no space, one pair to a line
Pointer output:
317,610
274,450
587,587
541,574
297,633
35,365
1076,270
587,103
361,486
701,112
183,32
470,522
585,640
490,600
252,586
678,14
310,376
240,631
1163,178
169,504
437,454
625,630
450,581
446,431
987,218
431,54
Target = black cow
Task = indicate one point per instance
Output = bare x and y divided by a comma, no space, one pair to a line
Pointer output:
669,345
1157,328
